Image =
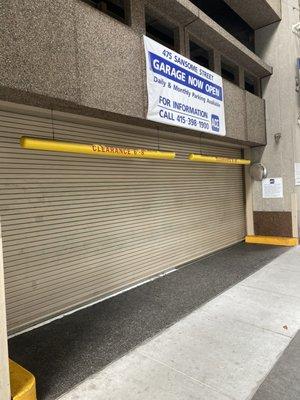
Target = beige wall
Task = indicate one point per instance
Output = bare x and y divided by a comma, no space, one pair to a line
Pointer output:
280,47
275,5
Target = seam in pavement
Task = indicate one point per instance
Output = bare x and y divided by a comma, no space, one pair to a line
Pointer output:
187,376
254,325
286,266
269,291
262,328
136,349
252,394
282,268
249,323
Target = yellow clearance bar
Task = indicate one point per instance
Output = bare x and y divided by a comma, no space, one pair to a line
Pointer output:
31,143
218,160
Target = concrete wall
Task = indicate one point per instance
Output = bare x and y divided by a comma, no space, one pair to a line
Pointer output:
296,110
275,5
69,50
65,53
280,47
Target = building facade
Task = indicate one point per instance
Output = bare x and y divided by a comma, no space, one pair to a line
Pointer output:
76,228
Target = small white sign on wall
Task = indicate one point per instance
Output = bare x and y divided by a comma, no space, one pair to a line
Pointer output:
272,188
297,174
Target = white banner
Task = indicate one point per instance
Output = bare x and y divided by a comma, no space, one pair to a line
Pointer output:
181,92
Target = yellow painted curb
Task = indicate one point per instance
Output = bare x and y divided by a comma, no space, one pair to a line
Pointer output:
22,383
274,240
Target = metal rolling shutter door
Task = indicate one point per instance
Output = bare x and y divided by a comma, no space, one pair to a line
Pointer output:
76,227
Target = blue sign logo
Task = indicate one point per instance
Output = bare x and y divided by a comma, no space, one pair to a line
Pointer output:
215,123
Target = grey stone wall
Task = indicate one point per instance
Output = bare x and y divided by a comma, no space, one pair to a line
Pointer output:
65,53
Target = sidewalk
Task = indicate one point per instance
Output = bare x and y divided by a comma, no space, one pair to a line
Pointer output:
65,352
223,350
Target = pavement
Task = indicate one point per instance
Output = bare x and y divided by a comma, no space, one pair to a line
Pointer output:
283,382
240,345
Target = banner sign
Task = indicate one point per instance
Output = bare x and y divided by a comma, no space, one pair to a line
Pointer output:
181,92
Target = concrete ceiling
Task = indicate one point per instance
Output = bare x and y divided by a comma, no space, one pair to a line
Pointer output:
257,13
209,32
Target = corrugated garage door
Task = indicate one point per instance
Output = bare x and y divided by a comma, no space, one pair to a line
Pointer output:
76,227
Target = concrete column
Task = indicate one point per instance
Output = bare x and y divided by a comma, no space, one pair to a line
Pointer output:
257,87
186,43
241,78
216,61
4,368
180,40
277,45
137,8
